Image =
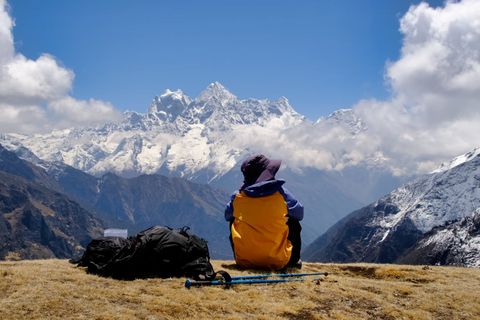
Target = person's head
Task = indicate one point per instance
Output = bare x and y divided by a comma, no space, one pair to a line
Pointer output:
259,168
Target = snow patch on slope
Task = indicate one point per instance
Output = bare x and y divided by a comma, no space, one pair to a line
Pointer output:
460,239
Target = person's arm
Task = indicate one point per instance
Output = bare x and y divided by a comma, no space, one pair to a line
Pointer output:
229,209
295,208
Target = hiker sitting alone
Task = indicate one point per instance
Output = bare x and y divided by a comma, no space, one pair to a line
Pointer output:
264,218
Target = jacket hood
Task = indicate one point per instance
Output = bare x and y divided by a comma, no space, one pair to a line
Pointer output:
263,188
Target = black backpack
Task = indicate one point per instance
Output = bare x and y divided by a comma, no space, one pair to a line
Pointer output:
155,252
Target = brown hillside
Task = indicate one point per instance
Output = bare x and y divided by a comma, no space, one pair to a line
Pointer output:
54,289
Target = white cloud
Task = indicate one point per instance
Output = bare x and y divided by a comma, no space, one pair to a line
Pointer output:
437,81
434,112
6,38
27,118
71,112
34,94
440,63
34,81
324,145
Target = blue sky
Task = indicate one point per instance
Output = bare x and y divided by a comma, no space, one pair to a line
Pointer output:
322,55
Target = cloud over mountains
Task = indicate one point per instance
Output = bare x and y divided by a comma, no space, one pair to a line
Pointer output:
434,111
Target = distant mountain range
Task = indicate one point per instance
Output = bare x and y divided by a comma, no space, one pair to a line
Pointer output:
118,172
54,210
193,139
188,137
433,220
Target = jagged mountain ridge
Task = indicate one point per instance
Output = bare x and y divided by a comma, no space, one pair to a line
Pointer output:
216,108
398,226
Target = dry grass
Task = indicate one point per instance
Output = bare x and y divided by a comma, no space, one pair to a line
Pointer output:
54,289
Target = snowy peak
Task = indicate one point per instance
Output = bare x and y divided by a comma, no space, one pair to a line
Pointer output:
283,106
342,115
215,107
216,92
345,118
169,105
458,160
437,198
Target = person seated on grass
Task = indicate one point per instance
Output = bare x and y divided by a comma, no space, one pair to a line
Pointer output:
264,218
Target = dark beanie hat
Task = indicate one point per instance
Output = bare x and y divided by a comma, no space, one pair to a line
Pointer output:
259,168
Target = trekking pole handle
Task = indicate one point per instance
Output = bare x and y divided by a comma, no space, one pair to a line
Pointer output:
196,283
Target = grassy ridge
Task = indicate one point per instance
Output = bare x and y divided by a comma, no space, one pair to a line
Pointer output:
54,289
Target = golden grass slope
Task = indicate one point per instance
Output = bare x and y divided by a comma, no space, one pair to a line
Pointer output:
55,289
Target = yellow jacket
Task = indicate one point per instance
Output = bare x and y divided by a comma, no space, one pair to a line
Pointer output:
258,215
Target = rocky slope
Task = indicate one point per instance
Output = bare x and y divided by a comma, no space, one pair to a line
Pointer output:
456,243
36,222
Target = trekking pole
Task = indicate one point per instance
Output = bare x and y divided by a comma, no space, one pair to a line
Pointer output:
253,279
189,283
279,275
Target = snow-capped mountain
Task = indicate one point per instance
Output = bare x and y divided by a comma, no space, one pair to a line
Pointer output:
204,139
178,135
401,222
